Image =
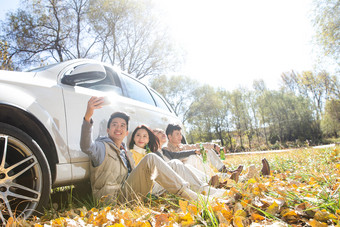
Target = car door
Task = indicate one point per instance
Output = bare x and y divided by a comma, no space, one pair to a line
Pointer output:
76,98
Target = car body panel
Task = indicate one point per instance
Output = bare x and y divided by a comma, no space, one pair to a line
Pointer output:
35,96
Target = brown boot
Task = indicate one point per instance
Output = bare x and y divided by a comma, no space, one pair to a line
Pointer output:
214,181
225,170
235,175
265,171
239,169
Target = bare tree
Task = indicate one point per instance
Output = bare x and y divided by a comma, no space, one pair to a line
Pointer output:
132,37
327,23
122,32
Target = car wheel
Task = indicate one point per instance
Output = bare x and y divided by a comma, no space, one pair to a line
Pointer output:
25,177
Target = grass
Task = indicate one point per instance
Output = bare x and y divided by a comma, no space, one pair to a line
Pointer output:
303,189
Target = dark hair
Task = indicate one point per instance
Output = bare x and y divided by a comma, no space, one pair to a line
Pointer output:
153,139
119,115
171,128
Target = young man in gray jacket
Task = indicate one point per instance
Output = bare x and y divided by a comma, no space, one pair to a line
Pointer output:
113,173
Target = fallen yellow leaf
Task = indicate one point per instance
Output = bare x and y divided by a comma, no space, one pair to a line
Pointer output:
321,215
241,213
187,220
273,208
227,214
117,225
217,207
183,205
239,221
192,209
257,217
315,223
161,219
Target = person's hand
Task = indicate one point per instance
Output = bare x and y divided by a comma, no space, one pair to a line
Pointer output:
198,151
92,104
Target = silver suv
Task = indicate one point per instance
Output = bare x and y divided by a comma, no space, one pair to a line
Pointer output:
41,113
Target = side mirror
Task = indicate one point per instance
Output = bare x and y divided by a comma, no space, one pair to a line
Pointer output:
89,73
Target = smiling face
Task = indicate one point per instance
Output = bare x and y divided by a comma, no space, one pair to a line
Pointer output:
141,138
161,136
175,138
117,130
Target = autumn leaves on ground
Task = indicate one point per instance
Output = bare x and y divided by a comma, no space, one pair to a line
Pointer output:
303,189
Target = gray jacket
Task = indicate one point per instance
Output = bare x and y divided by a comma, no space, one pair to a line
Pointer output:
96,149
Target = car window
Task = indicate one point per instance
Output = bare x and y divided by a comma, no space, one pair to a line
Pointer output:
111,83
160,102
137,90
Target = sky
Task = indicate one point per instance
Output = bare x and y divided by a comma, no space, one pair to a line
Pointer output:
230,44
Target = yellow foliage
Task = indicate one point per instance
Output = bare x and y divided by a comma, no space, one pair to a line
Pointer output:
192,209
338,166
187,220
273,209
323,216
239,221
315,223
117,225
248,196
241,213
257,217
227,214
183,205
217,207
161,219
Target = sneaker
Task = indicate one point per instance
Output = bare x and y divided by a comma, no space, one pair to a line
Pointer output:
265,171
218,193
251,172
188,194
239,169
235,176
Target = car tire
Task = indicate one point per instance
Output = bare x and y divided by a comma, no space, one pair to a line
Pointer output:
25,176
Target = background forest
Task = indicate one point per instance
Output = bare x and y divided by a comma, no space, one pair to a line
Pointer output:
305,110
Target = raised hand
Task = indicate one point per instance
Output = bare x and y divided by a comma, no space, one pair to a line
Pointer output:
92,104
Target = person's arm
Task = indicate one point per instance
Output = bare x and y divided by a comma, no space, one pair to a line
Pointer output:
95,150
190,146
178,155
159,154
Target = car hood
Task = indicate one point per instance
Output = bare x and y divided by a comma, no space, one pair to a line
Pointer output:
15,75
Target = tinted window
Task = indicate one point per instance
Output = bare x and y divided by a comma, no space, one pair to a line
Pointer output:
111,83
138,91
160,102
